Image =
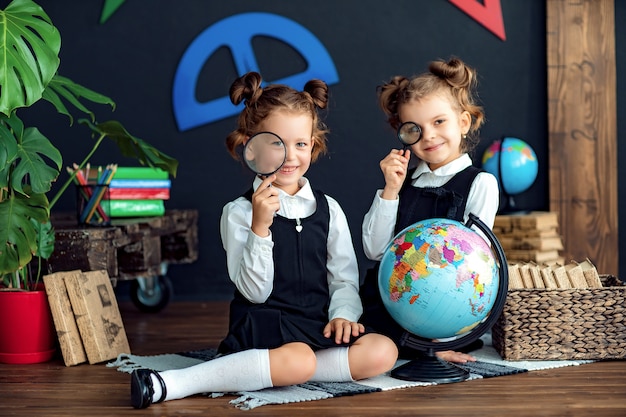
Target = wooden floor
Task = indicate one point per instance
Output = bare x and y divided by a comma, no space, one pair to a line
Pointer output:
51,389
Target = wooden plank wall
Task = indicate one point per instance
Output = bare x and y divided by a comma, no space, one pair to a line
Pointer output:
582,121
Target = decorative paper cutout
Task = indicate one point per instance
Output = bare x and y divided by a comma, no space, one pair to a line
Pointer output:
488,13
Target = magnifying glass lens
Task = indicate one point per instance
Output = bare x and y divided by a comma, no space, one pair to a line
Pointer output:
265,153
409,133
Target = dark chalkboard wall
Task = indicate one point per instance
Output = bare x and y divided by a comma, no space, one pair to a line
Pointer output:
134,55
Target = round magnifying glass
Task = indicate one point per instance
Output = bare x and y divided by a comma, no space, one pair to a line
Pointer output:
409,133
265,153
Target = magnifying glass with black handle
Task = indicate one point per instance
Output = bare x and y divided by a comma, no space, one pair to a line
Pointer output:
409,133
265,153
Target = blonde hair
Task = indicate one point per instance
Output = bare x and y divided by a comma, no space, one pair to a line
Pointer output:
261,102
454,78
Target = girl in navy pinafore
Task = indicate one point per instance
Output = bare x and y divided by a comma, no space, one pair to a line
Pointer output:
436,117
294,316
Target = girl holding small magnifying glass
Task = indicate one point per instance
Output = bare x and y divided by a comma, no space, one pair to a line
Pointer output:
294,316
436,119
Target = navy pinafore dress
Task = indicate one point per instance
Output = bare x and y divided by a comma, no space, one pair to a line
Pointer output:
297,308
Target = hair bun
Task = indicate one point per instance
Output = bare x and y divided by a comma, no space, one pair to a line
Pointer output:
455,72
247,87
318,90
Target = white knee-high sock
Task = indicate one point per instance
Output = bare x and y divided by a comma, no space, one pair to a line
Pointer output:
332,365
248,370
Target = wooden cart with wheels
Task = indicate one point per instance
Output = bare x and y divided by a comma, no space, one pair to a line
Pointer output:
138,249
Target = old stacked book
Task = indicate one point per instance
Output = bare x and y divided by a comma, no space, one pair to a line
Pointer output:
530,237
86,316
138,192
68,335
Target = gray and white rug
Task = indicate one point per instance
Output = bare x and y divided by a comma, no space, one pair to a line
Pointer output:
489,364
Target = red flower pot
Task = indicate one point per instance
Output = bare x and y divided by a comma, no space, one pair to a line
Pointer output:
26,327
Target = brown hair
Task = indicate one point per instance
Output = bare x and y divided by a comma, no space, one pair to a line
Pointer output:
260,102
453,78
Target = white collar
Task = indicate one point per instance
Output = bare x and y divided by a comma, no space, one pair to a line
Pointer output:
450,168
305,192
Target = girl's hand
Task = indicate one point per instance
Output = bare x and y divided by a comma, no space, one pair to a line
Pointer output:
394,168
265,203
343,329
457,357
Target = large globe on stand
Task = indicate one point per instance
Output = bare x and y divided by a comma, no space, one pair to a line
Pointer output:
445,285
514,163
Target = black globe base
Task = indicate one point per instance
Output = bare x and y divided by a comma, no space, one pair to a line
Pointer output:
429,368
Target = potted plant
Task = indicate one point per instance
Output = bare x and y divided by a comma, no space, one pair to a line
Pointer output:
30,163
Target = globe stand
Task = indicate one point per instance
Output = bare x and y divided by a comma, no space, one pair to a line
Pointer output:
429,368
509,206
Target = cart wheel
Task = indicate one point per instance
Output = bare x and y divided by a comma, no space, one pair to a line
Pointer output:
151,295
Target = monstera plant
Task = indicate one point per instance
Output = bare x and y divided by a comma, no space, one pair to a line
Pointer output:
29,161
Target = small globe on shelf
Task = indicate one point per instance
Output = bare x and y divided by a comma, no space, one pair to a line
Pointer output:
514,163
445,285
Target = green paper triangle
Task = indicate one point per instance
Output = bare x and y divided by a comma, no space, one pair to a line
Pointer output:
110,6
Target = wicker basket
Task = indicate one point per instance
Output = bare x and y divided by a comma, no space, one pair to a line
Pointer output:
545,324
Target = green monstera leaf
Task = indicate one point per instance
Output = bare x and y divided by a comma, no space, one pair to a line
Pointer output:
45,238
133,147
8,151
32,167
61,87
18,235
26,164
29,54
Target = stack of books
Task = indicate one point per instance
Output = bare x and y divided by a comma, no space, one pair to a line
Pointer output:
530,237
137,192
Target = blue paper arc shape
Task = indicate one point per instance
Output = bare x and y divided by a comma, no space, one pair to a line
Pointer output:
236,33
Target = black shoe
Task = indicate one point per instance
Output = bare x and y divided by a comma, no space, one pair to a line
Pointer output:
141,389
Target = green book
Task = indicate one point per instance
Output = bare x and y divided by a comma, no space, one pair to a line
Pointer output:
132,173
140,173
133,208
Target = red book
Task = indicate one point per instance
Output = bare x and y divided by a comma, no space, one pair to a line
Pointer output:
139,193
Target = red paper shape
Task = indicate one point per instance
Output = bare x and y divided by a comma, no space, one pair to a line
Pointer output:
488,13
